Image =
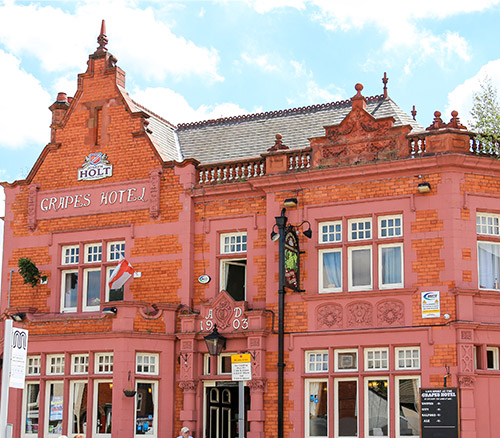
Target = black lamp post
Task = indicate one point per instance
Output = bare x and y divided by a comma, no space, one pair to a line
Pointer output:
215,342
288,242
281,224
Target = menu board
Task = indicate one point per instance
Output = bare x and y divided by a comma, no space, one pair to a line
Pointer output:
439,417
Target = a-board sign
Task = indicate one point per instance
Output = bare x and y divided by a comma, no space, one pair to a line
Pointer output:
439,417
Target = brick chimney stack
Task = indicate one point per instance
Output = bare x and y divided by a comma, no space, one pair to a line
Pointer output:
58,108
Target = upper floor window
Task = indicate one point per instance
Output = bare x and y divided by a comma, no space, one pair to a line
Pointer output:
376,359
488,224
346,360
85,284
368,255
233,271
316,361
231,243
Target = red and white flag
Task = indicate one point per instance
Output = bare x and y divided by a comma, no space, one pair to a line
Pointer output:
121,274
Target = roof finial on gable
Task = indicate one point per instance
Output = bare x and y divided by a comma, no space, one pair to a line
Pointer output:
414,113
102,39
385,79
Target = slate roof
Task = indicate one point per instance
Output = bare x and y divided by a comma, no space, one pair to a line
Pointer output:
248,136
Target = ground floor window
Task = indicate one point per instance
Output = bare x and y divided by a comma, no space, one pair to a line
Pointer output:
31,409
54,409
78,407
103,395
361,407
146,411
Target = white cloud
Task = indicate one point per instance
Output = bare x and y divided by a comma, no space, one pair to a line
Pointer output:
261,61
24,116
175,108
159,54
461,98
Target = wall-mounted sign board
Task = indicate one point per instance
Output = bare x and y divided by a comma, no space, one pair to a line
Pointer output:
439,417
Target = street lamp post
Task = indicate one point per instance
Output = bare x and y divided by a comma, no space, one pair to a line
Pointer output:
281,224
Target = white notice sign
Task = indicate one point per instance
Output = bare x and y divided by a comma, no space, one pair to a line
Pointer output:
431,307
241,367
19,353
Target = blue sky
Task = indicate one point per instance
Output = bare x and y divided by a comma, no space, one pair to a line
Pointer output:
193,60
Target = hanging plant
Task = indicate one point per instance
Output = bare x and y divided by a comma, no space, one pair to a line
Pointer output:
30,273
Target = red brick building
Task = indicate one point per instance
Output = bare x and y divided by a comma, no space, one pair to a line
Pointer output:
398,283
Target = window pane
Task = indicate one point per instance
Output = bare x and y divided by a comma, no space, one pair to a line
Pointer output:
391,265
79,408
104,407
348,408
378,408
409,415
116,251
361,267
93,288
318,409
55,408
489,265
32,407
332,270
145,409
70,280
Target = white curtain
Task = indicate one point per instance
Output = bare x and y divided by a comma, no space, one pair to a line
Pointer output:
332,266
391,265
489,265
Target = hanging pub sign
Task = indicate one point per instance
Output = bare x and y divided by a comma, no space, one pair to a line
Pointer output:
292,260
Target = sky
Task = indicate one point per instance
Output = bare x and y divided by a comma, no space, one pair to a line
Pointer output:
197,60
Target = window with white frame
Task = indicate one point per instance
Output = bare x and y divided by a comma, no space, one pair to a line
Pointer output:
102,408
233,270
492,362
54,403
390,266
55,364
330,270
390,226
359,255
376,409
488,224
317,361
224,363
31,409
33,365
146,363
103,363
376,359
346,360
407,406
359,229
79,363
78,393
316,402
146,412
346,407
407,358
84,283
231,243
488,260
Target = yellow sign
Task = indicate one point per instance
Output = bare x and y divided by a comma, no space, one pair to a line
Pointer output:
240,358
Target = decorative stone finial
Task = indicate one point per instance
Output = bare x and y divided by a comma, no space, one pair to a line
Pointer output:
455,121
102,39
414,113
358,87
278,144
385,79
437,123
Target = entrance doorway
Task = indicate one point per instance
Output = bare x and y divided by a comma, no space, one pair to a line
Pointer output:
222,403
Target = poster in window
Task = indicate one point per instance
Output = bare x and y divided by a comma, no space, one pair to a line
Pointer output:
56,408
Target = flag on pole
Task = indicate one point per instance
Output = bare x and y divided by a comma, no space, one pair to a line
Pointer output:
121,274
